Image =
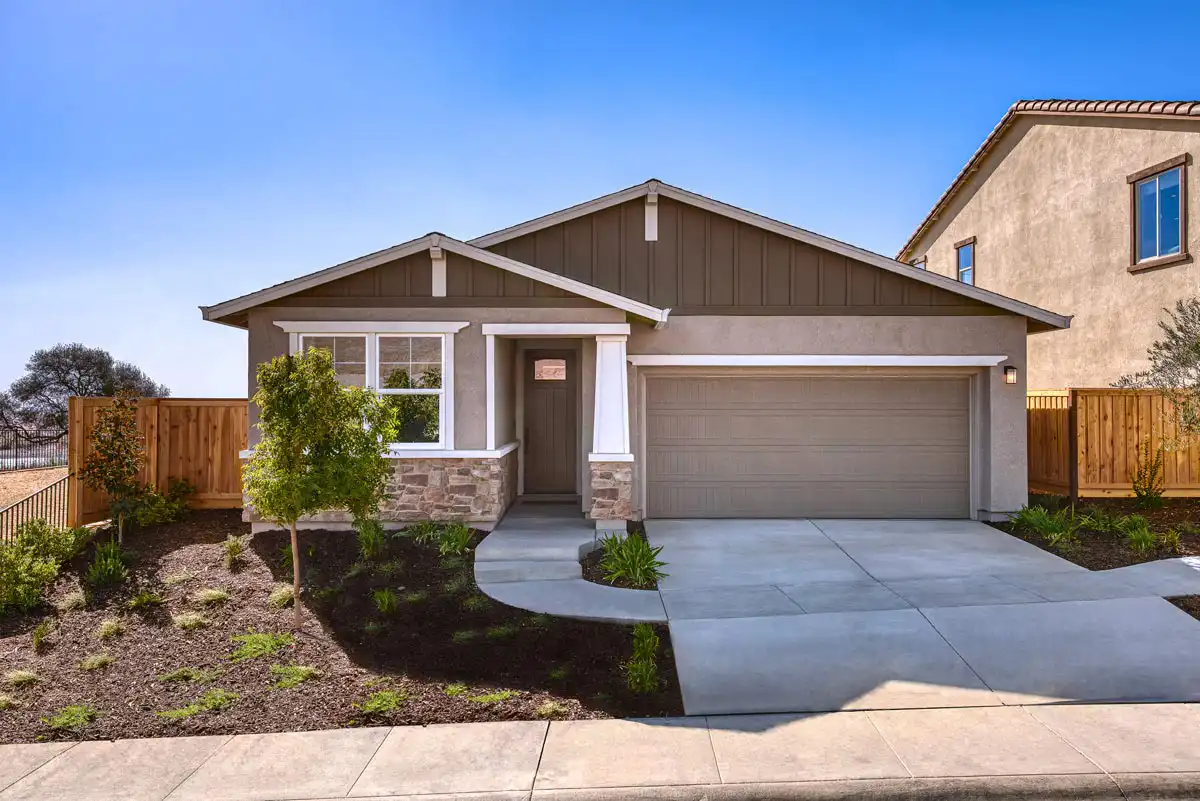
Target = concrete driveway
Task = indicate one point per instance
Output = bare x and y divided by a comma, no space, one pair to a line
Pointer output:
823,615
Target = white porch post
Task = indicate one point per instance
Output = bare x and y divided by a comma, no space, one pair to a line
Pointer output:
610,428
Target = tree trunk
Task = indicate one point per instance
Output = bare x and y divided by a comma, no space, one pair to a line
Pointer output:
120,529
295,578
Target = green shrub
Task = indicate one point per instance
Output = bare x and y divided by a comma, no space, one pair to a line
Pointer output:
214,700
178,578
1169,540
210,596
234,548
455,690
504,631
498,697
631,560
416,597
464,636
144,600
1147,478
71,718
551,710
154,508
1098,518
641,671
40,633
371,539
96,662
386,601
108,565
256,643
1058,528
30,563
189,621
292,675
382,702
20,678
422,533
281,596
454,539
111,627
1138,535
72,601
191,675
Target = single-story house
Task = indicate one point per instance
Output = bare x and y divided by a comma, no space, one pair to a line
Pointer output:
656,353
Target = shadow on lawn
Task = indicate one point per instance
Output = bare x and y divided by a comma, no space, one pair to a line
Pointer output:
443,629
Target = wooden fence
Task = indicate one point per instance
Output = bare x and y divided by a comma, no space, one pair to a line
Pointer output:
1084,443
197,439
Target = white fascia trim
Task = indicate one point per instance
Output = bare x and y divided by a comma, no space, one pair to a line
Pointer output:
554,329
417,453
555,280
368,327
610,457
320,277
788,360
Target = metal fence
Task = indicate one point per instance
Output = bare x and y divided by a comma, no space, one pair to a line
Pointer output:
27,449
49,504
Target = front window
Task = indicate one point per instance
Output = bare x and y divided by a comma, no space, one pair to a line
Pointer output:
1157,220
966,261
406,369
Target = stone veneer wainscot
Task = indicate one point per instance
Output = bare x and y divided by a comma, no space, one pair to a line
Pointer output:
612,490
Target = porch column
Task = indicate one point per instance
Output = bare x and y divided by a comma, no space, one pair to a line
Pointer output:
610,462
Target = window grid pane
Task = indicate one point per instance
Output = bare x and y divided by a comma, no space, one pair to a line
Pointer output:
1168,213
1147,218
410,363
349,356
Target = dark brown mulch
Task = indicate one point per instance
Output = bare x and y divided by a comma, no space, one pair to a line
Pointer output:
1189,604
573,664
1099,550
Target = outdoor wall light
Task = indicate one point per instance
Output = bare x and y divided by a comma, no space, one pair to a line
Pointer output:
1010,375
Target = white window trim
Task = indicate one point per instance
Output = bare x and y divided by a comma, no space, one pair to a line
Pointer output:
372,332
1137,215
798,360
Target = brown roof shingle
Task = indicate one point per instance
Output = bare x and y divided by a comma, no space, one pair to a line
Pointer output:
1166,108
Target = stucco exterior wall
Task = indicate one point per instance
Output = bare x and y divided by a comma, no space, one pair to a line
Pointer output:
266,341
999,443
1051,212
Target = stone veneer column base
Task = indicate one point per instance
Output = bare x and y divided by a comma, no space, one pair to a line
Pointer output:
464,490
612,490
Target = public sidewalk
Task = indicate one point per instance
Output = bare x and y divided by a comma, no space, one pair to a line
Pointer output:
1095,752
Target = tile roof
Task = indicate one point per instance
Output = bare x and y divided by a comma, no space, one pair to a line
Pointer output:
1138,108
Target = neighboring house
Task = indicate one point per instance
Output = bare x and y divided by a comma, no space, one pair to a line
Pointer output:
656,353
1079,205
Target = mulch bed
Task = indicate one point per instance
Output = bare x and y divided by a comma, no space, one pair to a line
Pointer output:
443,633
1103,550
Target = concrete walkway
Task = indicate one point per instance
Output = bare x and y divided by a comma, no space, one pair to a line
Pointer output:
1092,752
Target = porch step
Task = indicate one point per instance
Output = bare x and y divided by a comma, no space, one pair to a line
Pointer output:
525,570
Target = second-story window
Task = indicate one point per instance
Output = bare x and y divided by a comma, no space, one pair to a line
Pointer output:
965,255
1157,214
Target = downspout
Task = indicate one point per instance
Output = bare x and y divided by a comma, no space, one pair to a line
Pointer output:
661,324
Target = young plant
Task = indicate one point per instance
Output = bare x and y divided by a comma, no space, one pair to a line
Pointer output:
189,621
40,634
1169,540
210,596
455,690
464,636
214,700
1147,478
454,539
7,702
371,540
416,597
497,697
144,600
382,702
289,676
117,457
153,508
281,597
234,548
108,565
111,627
476,603
504,631
551,710
191,675
1138,534
74,718
72,601
322,447
21,678
96,662
423,533
1098,518
631,560
386,601
178,578
256,643
1058,528
641,671
457,584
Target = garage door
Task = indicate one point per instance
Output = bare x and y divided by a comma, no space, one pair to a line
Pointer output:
804,446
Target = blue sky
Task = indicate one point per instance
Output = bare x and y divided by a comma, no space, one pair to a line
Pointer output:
159,155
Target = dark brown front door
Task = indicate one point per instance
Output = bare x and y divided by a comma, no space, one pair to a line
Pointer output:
551,422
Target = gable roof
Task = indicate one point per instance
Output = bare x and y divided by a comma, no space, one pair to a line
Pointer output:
476,249
1136,109
433,240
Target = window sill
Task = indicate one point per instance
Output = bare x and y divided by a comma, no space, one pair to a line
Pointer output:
1160,261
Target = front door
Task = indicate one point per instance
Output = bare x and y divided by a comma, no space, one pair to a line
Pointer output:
551,422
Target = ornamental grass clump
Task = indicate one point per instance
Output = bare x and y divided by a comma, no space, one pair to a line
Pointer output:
631,560
641,671
1058,529
1138,535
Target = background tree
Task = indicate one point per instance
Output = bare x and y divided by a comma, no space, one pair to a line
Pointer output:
322,448
117,457
1175,367
38,399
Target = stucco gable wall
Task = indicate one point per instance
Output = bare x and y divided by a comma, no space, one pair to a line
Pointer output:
1050,210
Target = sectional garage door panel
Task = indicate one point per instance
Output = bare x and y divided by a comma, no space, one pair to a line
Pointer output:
767,446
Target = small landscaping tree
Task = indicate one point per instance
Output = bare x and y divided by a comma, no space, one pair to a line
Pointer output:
322,447
1175,368
117,458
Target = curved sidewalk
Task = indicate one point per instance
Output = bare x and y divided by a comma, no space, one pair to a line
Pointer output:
531,561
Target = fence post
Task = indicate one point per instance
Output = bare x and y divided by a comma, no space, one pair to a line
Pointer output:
1073,446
